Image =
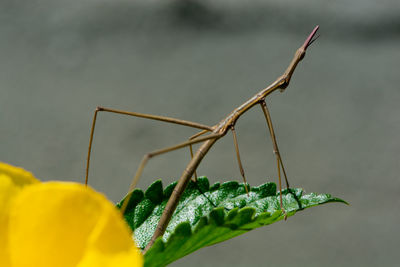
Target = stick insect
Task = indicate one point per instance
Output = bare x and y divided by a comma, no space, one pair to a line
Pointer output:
208,136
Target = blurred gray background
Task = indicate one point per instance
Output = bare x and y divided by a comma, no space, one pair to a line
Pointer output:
337,123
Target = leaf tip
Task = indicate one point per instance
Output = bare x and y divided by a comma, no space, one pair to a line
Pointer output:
155,192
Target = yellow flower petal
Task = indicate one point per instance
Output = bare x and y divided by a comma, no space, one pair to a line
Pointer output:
129,258
19,176
62,224
12,180
108,249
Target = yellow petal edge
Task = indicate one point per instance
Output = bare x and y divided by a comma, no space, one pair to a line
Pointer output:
67,224
12,180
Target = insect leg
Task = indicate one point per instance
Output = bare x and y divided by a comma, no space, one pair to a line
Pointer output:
136,114
238,158
159,152
191,150
276,152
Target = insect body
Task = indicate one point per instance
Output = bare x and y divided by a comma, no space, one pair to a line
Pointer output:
208,136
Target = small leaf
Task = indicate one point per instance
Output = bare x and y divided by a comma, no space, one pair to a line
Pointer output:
217,216
137,196
168,190
155,192
207,215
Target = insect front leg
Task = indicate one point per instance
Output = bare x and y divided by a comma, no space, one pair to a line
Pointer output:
140,115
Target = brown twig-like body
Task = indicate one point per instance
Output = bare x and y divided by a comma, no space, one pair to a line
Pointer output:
215,133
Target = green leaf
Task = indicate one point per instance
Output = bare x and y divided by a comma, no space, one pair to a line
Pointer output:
208,215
